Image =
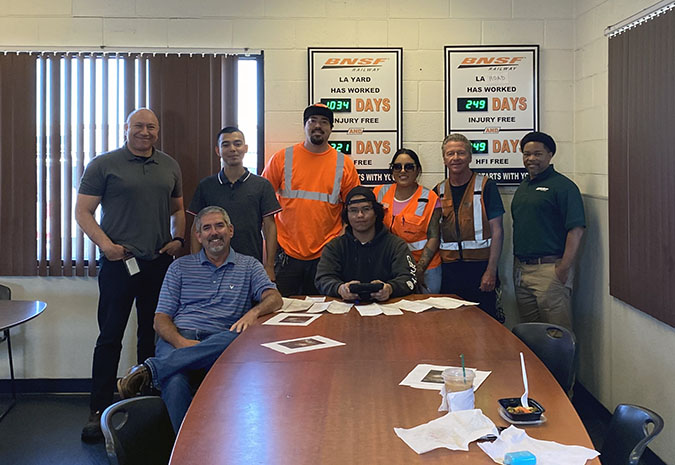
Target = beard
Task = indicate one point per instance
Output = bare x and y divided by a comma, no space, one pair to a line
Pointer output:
215,247
317,138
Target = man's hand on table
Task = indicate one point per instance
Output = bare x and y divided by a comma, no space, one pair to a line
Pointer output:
244,322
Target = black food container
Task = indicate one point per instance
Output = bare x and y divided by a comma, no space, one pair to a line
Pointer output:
515,402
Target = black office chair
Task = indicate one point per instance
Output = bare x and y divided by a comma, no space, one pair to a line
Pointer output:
629,434
554,345
138,431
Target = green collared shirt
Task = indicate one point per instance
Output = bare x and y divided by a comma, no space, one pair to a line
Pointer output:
544,209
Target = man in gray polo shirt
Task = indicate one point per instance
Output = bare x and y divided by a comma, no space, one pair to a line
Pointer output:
249,200
141,229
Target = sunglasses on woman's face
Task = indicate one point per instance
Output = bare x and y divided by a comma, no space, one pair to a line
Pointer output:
408,167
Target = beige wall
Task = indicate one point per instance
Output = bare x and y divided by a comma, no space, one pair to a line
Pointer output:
618,344
625,354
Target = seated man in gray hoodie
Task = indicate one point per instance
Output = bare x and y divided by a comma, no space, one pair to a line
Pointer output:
366,253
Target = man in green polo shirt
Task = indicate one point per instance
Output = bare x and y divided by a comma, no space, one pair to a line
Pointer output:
548,223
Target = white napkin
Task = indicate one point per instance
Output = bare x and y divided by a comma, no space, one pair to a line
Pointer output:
514,439
453,431
454,401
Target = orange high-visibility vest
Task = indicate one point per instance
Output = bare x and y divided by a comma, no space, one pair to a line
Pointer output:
411,223
466,236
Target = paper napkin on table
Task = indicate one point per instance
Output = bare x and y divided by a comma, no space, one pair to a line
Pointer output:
453,401
514,439
453,431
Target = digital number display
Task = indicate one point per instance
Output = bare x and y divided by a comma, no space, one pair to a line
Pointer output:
479,147
472,104
338,104
344,146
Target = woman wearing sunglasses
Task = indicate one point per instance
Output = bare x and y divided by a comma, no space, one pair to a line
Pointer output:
412,212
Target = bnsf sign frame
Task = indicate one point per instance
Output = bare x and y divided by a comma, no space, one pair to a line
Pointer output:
371,80
492,96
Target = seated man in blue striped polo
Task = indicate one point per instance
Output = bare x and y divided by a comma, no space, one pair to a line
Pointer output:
205,302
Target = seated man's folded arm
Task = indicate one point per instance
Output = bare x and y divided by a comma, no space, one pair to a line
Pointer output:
270,301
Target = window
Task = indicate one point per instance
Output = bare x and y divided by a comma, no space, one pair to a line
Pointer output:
79,103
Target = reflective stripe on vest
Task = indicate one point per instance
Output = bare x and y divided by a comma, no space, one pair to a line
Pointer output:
479,243
467,245
287,192
419,245
383,192
477,209
422,202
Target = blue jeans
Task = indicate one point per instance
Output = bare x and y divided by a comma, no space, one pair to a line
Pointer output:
432,280
178,372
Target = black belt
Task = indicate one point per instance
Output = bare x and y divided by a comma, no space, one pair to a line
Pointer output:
539,260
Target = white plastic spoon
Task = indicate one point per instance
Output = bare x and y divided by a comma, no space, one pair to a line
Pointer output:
523,398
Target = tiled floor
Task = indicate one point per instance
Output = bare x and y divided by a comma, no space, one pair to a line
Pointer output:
45,429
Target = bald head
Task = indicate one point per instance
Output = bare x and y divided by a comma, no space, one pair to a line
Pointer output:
142,131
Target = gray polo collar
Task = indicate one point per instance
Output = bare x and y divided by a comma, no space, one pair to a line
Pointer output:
132,157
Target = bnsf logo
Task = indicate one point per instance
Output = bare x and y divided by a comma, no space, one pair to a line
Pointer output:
477,62
353,62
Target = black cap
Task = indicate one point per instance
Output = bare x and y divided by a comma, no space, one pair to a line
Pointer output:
360,190
318,109
542,137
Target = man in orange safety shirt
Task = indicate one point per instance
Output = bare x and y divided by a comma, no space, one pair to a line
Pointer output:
311,179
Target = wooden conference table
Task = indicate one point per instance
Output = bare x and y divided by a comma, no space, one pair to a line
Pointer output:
14,313
340,405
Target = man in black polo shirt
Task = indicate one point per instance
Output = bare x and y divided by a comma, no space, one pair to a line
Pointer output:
248,199
548,223
142,227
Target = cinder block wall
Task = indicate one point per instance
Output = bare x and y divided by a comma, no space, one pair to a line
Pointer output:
618,343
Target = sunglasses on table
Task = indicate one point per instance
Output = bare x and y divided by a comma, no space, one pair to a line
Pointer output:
399,167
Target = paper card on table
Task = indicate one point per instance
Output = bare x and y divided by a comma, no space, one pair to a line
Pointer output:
318,307
295,305
446,302
425,376
302,344
336,307
369,310
291,319
413,306
390,309
316,299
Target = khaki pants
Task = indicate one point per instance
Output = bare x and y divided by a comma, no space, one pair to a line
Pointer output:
540,294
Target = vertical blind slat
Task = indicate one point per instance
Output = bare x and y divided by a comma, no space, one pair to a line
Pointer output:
42,170
79,155
54,166
67,213
91,268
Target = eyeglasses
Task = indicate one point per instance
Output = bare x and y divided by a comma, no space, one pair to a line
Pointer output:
408,167
363,210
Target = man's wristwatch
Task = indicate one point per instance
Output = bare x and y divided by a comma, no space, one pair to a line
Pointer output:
179,239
